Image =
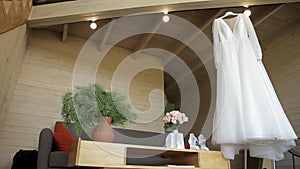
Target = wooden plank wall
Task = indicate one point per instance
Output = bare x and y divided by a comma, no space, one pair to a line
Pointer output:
205,100
45,75
12,50
141,85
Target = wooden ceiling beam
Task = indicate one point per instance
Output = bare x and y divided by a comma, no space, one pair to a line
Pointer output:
268,15
181,46
218,14
77,11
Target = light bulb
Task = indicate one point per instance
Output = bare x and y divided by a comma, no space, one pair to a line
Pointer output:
166,18
93,25
247,12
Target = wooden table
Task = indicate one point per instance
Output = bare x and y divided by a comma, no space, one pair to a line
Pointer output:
112,155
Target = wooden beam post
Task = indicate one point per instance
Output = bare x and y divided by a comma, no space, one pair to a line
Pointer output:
65,33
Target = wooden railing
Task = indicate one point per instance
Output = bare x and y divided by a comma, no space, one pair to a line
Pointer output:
13,13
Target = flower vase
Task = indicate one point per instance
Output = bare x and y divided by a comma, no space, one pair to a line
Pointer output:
174,140
175,131
169,130
104,133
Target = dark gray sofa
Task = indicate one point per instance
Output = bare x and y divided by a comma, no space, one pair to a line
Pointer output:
49,158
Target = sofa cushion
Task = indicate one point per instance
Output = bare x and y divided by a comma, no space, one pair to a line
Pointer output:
70,128
63,138
58,159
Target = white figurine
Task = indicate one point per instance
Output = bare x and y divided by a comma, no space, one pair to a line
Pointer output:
202,142
193,141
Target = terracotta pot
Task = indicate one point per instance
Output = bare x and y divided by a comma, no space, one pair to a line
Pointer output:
104,133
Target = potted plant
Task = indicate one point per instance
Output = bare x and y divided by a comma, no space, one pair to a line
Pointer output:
88,106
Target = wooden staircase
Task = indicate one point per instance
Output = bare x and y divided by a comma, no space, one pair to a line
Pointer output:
13,13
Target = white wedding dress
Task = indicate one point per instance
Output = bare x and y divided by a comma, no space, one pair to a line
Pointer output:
248,113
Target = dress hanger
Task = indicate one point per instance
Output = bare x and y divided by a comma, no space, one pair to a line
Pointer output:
228,14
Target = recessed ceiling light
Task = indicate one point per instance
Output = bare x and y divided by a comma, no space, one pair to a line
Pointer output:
166,17
247,12
93,25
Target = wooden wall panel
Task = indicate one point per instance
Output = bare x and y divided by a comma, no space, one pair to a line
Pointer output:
45,75
205,101
12,50
141,85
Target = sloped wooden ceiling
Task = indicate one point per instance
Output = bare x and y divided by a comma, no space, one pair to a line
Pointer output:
269,21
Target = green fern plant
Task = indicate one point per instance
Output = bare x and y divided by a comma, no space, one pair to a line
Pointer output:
86,107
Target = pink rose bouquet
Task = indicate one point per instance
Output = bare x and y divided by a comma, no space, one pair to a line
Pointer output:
173,119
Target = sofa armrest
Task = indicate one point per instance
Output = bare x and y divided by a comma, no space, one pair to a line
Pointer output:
44,148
